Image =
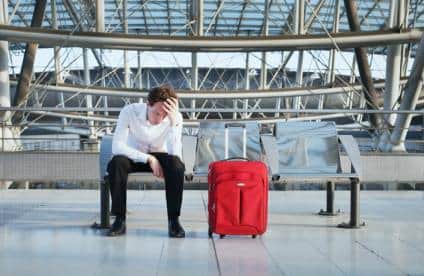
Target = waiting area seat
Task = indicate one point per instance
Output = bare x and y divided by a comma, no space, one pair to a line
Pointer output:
310,151
302,151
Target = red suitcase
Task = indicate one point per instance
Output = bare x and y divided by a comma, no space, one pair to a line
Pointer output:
237,195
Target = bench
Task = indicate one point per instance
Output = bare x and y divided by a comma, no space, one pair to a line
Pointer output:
297,150
311,151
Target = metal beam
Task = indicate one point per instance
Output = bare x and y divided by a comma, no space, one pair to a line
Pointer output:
316,11
215,17
241,16
265,21
143,9
220,5
265,30
406,49
168,11
22,88
194,80
100,28
190,123
363,66
290,18
304,28
376,3
127,71
246,83
206,94
76,20
100,16
225,110
412,92
57,63
4,74
393,74
88,97
331,63
300,30
20,15
75,17
213,109
331,76
139,74
207,44
197,17
118,7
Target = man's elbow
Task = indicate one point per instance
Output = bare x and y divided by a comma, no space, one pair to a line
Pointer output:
116,149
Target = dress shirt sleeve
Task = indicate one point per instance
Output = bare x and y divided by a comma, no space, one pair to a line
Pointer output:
174,140
119,143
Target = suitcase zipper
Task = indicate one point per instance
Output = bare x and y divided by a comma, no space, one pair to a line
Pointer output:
240,206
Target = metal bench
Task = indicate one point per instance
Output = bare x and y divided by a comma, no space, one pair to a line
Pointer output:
310,151
299,150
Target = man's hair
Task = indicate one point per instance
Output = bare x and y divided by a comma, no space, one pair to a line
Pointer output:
160,94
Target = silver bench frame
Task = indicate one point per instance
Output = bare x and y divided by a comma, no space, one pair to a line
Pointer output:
269,144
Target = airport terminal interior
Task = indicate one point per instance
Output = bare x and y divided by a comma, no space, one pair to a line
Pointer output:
326,94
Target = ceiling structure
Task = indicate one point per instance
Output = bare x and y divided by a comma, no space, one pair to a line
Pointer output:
248,22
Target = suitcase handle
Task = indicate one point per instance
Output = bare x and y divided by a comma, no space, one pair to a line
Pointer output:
227,125
236,158
235,125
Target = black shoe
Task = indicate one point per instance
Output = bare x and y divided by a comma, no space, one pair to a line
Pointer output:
175,229
118,227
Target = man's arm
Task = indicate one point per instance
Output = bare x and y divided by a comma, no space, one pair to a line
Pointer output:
119,143
174,140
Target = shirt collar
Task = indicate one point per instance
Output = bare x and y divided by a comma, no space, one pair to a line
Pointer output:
143,116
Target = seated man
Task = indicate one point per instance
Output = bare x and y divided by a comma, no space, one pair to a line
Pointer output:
148,138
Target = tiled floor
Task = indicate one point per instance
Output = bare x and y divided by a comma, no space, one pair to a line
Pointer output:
46,232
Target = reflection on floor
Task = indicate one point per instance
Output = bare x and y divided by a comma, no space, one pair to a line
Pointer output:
46,232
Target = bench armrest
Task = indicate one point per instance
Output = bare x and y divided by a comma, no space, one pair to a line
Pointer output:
189,154
270,147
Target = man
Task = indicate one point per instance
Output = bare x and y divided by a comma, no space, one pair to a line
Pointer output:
148,139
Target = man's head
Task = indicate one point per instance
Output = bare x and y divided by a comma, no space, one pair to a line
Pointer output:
155,99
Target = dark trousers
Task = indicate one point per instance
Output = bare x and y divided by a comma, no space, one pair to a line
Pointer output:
173,170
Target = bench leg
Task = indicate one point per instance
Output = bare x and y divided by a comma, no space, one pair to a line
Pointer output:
330,201
355,187
104,206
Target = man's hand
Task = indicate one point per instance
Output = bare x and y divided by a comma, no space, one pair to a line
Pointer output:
155,166
171,108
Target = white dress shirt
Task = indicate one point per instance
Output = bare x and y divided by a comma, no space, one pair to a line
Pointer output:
135,137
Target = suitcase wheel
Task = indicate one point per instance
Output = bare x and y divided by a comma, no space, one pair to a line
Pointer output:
221,236
253,236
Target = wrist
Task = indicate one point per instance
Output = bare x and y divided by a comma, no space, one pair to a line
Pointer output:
172,123
175,123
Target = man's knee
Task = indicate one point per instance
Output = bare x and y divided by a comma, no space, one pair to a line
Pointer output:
119,162
175,163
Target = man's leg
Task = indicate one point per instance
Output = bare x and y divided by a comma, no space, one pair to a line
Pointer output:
173,170
119,168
